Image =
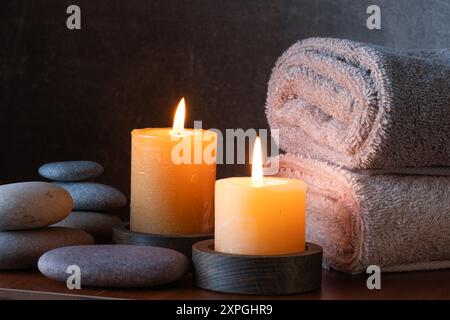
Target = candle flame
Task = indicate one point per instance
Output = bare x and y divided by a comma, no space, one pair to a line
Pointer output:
257,164
178,122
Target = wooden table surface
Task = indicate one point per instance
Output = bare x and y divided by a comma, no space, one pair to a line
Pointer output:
412,285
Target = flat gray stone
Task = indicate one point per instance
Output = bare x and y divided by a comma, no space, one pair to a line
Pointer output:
31,205
71,170
22,249
91,196
97,224
119,266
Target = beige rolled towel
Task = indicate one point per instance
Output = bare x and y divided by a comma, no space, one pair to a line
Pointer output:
362,106
398,222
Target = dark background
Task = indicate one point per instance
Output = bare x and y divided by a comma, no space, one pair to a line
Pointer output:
68,95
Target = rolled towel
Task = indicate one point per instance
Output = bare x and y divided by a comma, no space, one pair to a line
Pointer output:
362,106
400,223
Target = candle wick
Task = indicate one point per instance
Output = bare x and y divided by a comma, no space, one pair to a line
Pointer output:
178,133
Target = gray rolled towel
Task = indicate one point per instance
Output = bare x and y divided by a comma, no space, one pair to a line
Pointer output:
398,222
362,106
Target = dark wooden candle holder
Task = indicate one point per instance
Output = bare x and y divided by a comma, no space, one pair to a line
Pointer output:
181,243
259,275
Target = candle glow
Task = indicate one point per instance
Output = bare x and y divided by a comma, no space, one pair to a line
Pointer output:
257,165
178,122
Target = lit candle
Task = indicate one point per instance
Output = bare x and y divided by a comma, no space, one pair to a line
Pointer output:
260,215
173,171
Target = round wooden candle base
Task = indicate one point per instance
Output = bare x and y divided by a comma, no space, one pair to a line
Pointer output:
259,275
181,243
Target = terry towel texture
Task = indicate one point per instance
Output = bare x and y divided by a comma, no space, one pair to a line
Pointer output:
368,128
398,222
362,106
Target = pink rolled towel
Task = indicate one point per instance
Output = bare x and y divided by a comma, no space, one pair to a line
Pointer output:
398,222
362,106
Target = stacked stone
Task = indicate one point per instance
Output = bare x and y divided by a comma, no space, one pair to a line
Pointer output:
106,265
92,202
27,211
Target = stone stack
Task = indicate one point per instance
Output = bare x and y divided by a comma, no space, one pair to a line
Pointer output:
106,265
91,201
27,209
